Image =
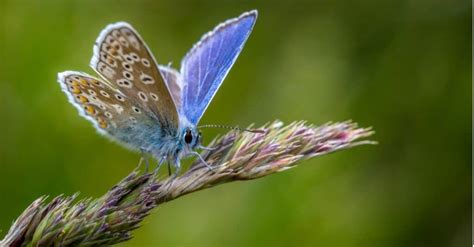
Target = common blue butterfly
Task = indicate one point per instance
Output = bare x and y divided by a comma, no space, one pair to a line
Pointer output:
148,107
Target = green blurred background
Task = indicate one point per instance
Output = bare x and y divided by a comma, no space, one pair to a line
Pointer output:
401,66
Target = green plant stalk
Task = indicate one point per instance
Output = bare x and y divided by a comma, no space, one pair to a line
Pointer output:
235,156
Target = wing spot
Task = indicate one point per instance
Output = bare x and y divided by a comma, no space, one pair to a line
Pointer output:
82,99
116,33
128,75
108,114
101,66
133,120
103,125
127,32
97,83
71,82
92,92
124,83
109,39
116,45
136,109
108,59
143,96
106,70
127,66
75,89
145,62
114,52
146,79
104,93
104,56
134,42
119,97
84,82
134,56
118,108
129,58
111,62
123,41
101,106
106,47
154,96
90,110
102,122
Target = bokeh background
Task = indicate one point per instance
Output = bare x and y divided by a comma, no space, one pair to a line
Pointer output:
401,66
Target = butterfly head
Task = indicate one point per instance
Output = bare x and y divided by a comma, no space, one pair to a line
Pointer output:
191,137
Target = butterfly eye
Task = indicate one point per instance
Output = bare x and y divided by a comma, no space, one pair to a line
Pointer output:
188,137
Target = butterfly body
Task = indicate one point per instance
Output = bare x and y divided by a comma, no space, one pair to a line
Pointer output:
174,148
148,107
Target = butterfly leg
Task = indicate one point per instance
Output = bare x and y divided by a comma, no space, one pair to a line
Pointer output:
139,163
202,160
177,166
169,169
147,164
172,178
207,148
160,163
143,153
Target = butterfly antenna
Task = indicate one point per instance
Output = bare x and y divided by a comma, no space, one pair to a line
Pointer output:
232,128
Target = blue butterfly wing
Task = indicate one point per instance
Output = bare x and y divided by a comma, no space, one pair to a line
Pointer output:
204,68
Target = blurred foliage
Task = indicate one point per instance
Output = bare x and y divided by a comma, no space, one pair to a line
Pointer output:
402,67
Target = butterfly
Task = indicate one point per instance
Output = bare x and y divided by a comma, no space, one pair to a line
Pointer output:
149,107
